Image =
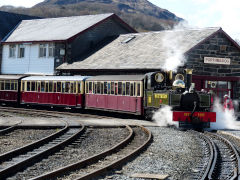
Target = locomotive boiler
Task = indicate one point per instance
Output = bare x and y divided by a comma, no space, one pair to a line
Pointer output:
191,108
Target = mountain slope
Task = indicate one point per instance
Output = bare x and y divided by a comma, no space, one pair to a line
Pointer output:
140,14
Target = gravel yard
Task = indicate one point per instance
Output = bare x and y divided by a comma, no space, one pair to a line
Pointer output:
172,152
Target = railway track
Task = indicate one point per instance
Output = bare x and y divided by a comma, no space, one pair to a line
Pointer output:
221,159
8,129
18,159
98,164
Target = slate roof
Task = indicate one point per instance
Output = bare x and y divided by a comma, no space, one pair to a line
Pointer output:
9,20
54,29
142,50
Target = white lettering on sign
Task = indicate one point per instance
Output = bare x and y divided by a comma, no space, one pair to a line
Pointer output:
215,60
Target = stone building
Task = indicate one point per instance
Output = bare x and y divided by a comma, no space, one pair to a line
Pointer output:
39,46
213,54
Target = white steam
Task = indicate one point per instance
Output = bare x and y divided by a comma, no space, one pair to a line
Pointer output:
225,119
164,116
175,56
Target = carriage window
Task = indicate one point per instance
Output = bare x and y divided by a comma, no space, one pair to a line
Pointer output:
42,86
58,86
71,87
50,86
112,87
124,89
67,87
79,87
16,85
90,87
55,87
128,88
98,87
101,88
7,85
119,88
108,88
33,86
46,87
135,88
12,85
95,88
131,89
28,86
105,88
23,86
116,88
38,86
2,85
74,87
138,89
63,87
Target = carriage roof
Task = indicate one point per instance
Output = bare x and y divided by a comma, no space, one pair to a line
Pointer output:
117,78
55,78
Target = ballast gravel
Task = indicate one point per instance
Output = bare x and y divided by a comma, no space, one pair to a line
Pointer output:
172,152
22,137
94,141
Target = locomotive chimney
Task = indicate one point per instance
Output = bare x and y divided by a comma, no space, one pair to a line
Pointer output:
189,78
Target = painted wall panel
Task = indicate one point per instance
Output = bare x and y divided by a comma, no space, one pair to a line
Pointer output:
31,63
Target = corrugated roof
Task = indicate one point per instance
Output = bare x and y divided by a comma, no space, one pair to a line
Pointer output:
142,50
55,78
117,78
54,29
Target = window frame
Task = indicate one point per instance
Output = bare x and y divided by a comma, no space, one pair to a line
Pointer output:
21,51
12,51
42,53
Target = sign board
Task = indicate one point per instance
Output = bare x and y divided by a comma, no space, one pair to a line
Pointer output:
216,60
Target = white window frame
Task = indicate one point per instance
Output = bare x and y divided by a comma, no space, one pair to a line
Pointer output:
42,50
21,54
51,50
12,51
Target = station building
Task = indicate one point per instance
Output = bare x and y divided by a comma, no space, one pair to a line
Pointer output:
212,53
39,46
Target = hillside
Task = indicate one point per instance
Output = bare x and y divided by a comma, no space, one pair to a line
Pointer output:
9,20
140,14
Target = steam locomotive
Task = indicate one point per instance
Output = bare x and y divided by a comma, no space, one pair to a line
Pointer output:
190,108
133,94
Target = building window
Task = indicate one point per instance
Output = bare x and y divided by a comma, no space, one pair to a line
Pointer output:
21,51
42,50
12,51
51,50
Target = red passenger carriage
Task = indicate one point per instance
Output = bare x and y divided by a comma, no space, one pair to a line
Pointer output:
67,91
10,88
121,93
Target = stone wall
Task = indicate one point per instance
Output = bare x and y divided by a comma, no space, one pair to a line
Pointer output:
217,46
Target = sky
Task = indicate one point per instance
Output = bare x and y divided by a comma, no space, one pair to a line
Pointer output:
198,13
206,13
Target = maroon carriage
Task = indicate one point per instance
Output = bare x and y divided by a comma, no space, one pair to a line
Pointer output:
53,90
122,93
10,88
